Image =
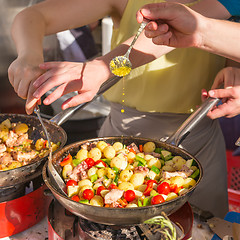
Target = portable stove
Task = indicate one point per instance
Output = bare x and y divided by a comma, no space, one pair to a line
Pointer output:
22,206
64,225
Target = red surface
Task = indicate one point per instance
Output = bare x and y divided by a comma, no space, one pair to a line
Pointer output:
184,217
22,213
233,167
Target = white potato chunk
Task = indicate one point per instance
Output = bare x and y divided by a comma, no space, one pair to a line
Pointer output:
142,188
168,168
117,146
95,154
131,205
189,182
125,175
101,172
147,157
149,147
154,162
82,154
39,144
137,179
3,131
85,182
92,171
110,173
119,162
7,123
101,145
126,186
152,175
109,152
177,180
171,196
131,156
97,201
67,170
97,185
21,128
72,190
178,162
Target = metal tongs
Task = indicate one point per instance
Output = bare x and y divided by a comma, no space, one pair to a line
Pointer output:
61,184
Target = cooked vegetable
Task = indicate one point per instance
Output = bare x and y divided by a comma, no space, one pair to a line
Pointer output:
124,176
16,149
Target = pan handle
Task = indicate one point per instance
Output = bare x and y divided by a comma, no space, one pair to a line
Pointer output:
183,131
64,115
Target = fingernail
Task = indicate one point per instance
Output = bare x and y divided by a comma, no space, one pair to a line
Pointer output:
211,92
145,11
35,84
35,94
46,101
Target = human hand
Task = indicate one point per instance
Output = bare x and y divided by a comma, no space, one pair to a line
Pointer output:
85,78
21,73
173,24
230,95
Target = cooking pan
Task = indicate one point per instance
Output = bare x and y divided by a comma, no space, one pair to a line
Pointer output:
57,134
30,171
129,216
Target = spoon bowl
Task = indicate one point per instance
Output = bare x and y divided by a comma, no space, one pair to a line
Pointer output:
121,65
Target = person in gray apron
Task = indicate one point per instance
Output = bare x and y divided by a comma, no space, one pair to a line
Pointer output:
205,142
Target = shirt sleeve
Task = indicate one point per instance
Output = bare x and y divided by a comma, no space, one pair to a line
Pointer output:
233,6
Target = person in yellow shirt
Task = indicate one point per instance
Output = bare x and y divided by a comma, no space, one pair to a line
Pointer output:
176,25
157,96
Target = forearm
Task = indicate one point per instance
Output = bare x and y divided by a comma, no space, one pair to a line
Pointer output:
27,32
213,39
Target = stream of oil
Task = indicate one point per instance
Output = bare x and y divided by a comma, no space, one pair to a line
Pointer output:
123,95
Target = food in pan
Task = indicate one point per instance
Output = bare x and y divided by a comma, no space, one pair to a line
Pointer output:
16,149
122,176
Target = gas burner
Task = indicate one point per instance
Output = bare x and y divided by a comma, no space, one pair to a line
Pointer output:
64,225
100,231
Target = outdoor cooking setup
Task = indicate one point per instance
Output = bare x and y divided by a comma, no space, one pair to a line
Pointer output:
91,222
91,217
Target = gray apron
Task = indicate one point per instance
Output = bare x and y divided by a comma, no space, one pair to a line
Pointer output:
205,142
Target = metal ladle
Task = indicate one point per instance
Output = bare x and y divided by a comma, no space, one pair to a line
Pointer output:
121,65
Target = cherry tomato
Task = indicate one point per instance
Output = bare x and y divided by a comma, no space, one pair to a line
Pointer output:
71,183
163,188
157,199
100,189
75,198
112,186
174,188
129,195
88,194
90,162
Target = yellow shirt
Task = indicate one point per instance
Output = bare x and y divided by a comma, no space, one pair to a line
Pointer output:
171,83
